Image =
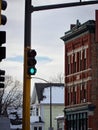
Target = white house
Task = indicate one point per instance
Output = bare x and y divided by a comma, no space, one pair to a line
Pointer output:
47,104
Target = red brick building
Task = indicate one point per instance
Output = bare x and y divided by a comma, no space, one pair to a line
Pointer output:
81,76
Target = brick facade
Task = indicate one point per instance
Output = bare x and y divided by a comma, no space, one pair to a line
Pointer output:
81,76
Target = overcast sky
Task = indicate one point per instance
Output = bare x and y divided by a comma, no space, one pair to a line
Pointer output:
47,28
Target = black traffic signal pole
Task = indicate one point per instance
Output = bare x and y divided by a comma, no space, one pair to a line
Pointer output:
26,79
27,44
27,33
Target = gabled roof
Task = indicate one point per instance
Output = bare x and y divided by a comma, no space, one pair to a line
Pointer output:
43,92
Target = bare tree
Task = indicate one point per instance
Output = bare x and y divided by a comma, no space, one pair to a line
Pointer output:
59,78
11,95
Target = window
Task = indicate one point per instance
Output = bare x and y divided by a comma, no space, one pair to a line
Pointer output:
71,56
40,128
74,67
74,122
84,60
68,98
80,95
74,97
80,64
69,65
83,92
35,128
59,125
71,94
85,66
71,122
78,59
68,95
68,68
75,63
36,111
77,121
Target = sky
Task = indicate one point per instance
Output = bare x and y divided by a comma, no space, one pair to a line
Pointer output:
47,29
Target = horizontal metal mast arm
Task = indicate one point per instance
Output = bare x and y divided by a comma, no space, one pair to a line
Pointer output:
63,5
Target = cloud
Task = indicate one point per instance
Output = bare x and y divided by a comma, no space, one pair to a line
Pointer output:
43,59
40,59
16,59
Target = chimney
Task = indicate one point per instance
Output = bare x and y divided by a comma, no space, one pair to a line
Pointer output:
96,29
72,25
75,25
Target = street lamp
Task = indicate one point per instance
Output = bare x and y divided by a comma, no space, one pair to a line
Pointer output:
50,128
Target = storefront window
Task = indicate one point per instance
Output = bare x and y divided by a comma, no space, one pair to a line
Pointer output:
77,121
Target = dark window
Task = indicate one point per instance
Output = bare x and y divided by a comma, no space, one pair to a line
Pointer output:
69,65
40,128
83,93
77,121
80,95
68,69
80,64
74,67
68,98
59,125
35,128
36,111
84,60
71,98
74,122
78,61
71,68
85,63
74,97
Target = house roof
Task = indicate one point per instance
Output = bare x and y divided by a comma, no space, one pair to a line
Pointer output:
43,92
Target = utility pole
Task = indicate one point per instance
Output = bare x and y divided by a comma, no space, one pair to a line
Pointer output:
27,46
26,83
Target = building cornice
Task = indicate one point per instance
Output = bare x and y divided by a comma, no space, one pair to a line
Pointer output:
88,26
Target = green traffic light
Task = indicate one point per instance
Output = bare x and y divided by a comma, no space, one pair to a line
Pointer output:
32,71
31,62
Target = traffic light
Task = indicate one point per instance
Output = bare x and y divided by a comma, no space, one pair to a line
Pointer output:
2,41
31,62
3,6
3,20
2,78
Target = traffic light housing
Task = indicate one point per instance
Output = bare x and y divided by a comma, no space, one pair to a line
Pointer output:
31,62
2,48
3,20
3,6
2,78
